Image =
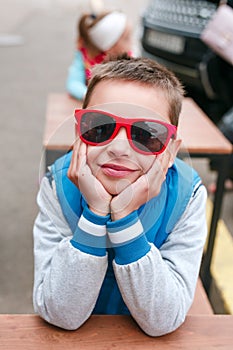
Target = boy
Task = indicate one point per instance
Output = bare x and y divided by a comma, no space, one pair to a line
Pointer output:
122,225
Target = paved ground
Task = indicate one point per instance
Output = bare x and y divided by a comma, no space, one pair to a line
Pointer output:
28,72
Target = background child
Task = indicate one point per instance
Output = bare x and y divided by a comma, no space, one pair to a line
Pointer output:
108,33
121,226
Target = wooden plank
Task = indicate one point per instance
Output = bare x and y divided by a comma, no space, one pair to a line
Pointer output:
199,133
114,332
59,133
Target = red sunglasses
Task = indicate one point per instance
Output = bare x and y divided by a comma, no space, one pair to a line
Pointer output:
146,136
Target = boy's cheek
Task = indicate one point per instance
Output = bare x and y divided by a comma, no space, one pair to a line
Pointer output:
166,159
92,156
144,161
172,149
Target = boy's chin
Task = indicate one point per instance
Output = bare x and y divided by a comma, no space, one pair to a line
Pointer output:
115,188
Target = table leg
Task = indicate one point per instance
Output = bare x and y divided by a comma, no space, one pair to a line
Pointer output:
206,264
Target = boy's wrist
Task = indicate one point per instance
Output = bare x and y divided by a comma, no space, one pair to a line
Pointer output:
119,215
103,212
123,205
93,216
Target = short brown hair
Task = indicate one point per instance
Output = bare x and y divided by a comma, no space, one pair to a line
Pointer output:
142,70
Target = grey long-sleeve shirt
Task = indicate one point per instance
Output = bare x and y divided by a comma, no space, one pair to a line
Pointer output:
158,289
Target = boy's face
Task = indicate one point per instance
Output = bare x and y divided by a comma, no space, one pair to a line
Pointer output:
117,164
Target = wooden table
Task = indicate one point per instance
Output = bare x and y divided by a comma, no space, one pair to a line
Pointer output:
29,332
201,138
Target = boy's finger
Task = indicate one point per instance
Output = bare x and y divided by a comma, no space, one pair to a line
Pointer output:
81,156
74,159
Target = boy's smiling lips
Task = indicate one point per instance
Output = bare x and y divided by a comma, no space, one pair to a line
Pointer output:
116,170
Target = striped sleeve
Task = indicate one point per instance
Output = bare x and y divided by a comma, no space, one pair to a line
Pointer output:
90,234
128,239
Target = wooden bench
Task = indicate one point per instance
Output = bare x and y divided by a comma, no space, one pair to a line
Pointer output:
59,132
30,332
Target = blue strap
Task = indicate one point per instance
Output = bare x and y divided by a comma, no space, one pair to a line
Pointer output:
69,196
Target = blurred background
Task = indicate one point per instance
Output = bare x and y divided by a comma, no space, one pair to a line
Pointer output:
37,41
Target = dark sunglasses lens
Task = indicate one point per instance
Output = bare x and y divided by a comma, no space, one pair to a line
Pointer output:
96,127
149,136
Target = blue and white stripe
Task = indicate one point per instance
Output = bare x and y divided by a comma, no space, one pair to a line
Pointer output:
131,232
90,235
91,228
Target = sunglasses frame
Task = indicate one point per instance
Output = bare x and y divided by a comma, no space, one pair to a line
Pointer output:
126,123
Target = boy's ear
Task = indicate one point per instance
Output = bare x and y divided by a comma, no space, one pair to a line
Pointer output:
173,149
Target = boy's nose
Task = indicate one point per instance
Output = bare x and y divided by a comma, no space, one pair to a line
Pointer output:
120,146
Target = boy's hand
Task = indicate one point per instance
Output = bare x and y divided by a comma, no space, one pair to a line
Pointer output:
142,190
80,174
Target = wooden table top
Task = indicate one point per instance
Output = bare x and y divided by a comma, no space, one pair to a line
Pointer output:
198,132
114,332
